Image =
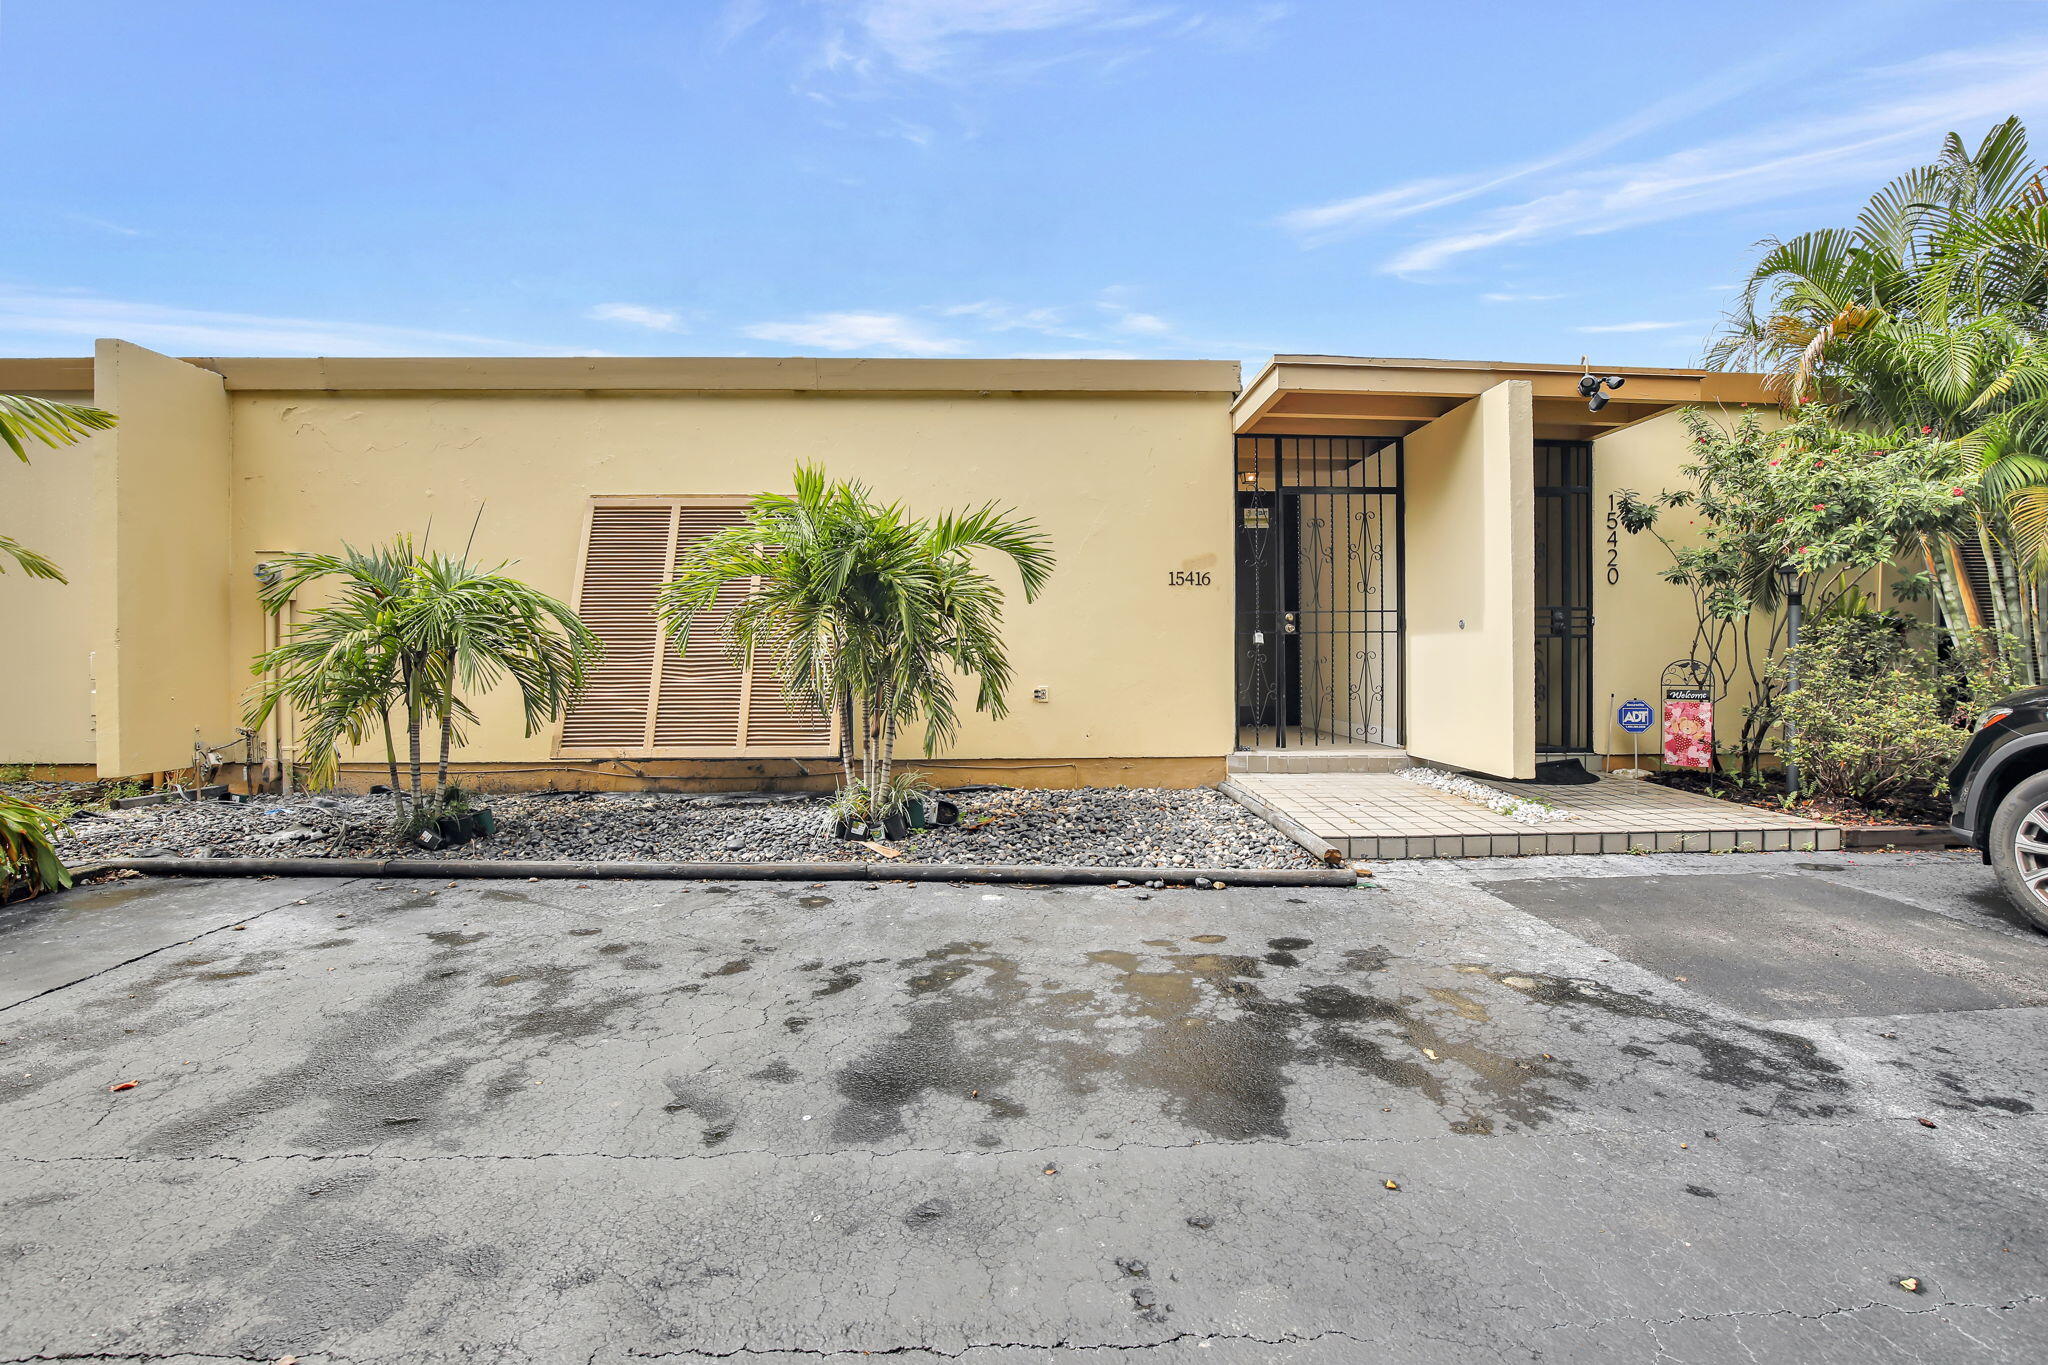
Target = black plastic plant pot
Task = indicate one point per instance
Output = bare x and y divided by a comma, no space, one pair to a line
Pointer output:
846,829
486,823
894,826
449,827
949,813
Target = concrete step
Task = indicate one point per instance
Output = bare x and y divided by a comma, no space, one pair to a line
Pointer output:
1365,758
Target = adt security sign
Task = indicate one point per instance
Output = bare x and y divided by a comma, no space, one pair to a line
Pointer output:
1635,716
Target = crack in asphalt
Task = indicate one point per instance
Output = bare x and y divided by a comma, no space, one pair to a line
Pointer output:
143,1357
1571,1135
165,948
1284,1339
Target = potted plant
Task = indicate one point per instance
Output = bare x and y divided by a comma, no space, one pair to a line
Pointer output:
849,814
472,818
906,803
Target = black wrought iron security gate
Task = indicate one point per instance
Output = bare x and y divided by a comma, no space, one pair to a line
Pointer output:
1564,596
1319,585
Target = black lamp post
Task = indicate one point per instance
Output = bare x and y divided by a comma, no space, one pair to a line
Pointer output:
1791,582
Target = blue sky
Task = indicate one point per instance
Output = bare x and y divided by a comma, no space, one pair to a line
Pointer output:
953,177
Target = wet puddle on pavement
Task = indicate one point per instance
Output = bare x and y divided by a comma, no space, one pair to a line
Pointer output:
1221,1038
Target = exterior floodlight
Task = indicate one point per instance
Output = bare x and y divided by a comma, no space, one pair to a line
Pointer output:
1590,385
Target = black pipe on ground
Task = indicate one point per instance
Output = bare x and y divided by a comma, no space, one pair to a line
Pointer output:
443,868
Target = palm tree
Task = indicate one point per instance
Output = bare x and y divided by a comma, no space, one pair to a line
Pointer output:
1931,316
476,626
864,610
343,666
24,419
410,631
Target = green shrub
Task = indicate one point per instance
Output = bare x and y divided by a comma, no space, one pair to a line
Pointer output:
1882,704
29,864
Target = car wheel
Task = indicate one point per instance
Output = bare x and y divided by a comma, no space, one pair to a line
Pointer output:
2019,848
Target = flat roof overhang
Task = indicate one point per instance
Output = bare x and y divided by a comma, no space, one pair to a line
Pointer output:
663,374
1325,395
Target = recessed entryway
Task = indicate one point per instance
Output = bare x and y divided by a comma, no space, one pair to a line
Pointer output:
1319,583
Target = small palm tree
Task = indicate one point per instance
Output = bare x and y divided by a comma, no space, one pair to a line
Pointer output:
408,632
24,419
864,610
343,666
474,627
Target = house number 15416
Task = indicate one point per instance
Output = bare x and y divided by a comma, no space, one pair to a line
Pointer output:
1187,578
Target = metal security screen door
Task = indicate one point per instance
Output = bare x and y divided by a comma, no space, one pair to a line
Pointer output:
1564,596
1319,581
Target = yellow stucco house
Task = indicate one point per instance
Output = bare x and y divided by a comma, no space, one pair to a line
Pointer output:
1338,559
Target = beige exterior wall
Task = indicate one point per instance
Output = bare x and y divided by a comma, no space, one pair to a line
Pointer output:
1469,508
160,547
46,679
1128,487
1642,623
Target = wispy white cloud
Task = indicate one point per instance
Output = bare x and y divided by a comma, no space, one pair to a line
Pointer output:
1502,297
995,316
938,37
1115,303
106,225
1637,326
1870,123
1107,326
960,43
1143,324
637,315
1327,222
1109,320
35,317
891,333
1321,223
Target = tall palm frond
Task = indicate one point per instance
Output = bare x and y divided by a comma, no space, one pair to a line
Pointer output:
863,609
1930,314
23,419
406,633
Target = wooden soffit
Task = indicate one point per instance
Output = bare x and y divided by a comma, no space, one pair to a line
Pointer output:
1300,395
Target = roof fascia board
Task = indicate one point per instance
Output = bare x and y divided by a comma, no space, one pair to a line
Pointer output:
722,375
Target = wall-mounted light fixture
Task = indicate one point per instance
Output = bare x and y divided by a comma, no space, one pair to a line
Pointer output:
1590,385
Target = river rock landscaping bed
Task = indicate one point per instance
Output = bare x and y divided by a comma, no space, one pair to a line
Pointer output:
1090,827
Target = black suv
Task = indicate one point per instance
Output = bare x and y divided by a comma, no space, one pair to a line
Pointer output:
1999,791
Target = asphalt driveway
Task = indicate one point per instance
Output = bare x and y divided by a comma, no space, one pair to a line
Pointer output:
1687,1109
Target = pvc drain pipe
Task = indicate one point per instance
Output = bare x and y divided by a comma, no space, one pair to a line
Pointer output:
442,868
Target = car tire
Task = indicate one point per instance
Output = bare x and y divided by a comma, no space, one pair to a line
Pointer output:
2023,814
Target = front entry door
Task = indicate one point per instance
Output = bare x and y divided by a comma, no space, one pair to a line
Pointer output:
1318,591
1564,597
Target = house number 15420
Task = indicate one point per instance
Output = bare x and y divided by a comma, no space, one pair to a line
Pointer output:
1187,578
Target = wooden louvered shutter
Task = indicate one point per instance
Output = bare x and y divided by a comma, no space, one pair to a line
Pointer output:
701,693
628,557
647,699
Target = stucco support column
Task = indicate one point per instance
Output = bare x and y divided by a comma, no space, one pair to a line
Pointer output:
161,662
1470,620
